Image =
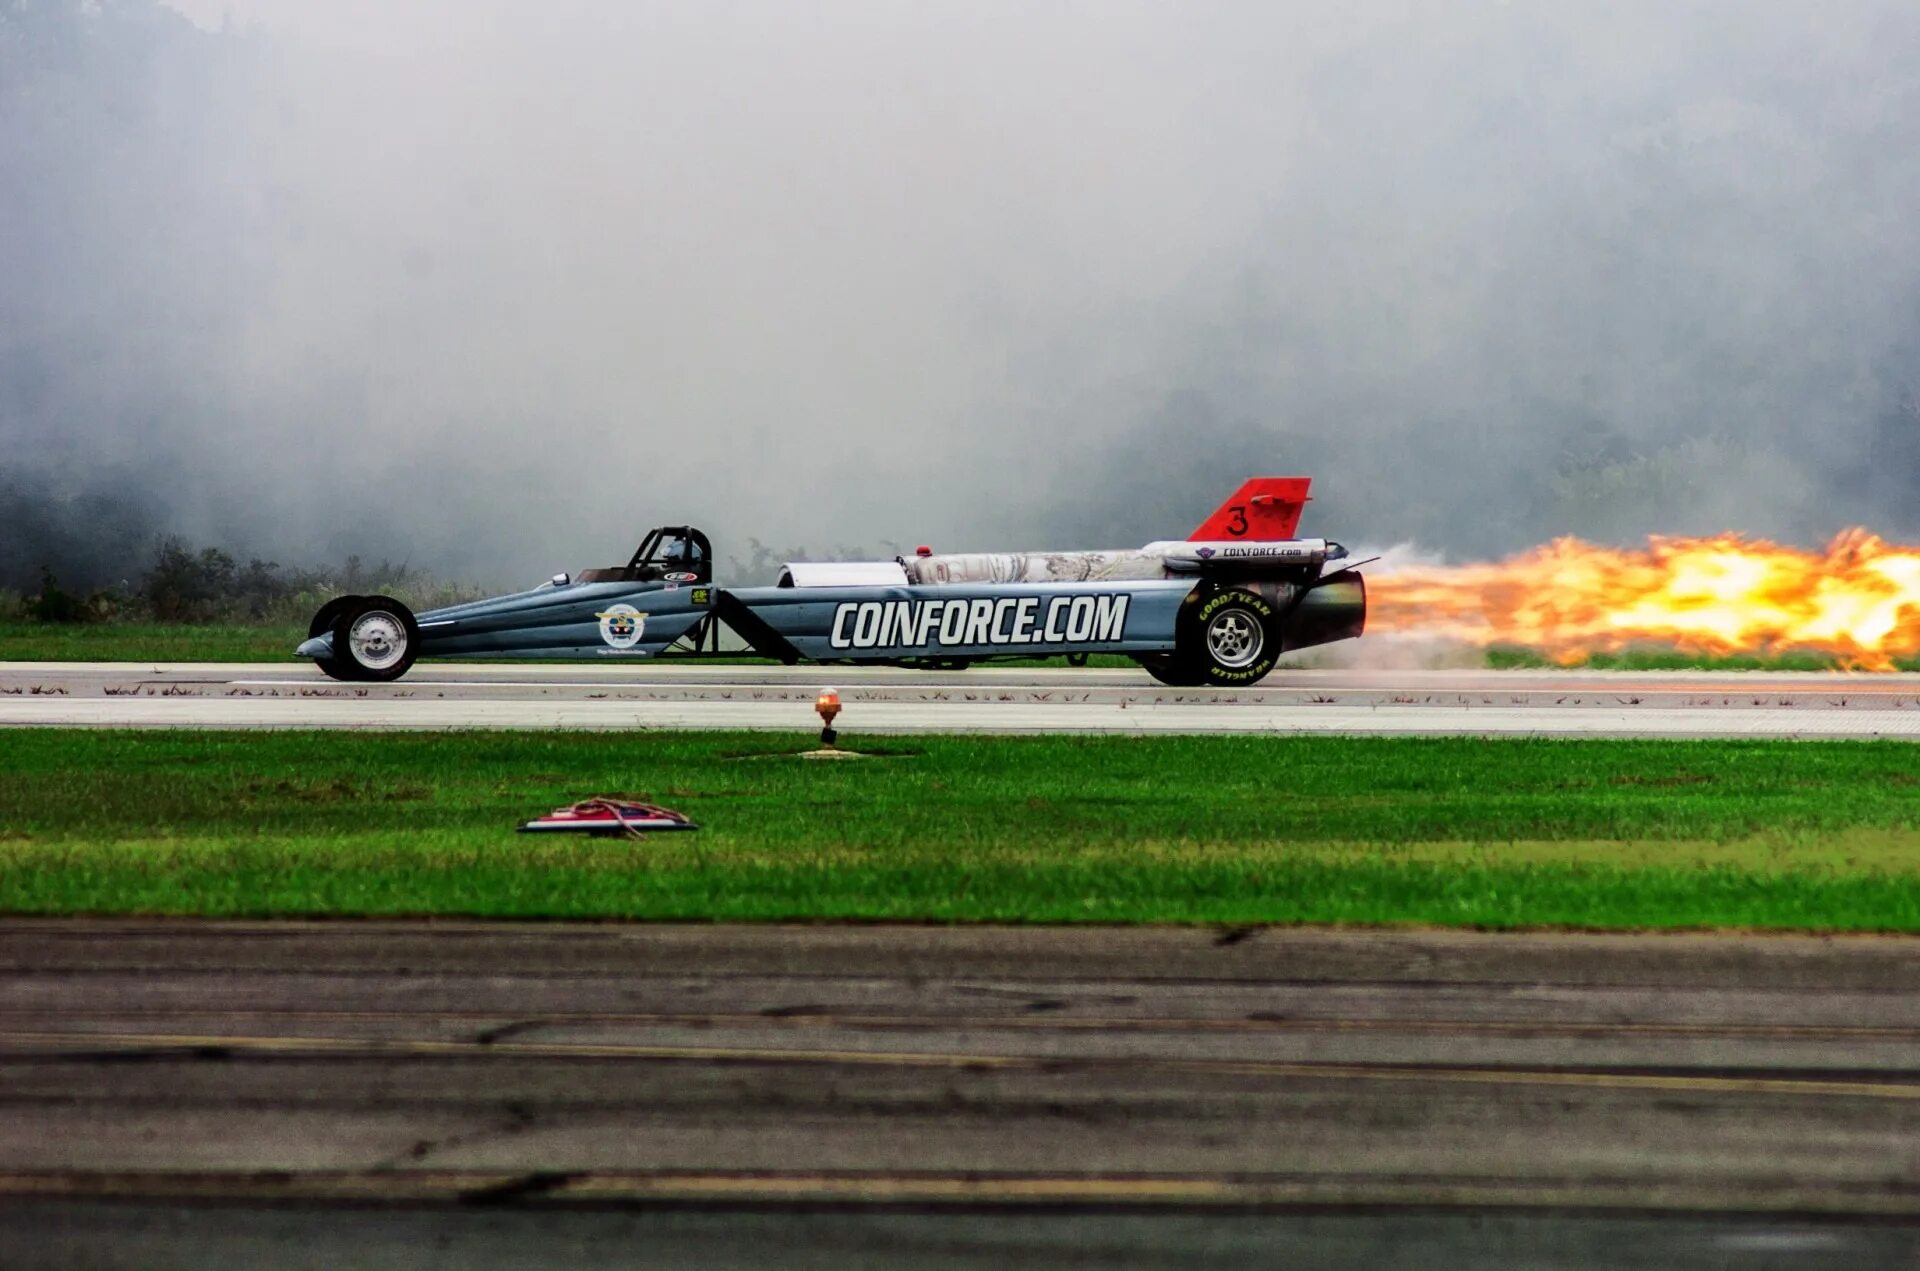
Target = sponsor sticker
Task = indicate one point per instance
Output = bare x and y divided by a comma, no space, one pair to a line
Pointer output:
1268,553
702,596
681,576
984,620
1279,550
622,626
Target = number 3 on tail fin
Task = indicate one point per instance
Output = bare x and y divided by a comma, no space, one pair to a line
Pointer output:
1264,509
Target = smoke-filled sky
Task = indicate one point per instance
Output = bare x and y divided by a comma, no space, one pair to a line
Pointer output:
494,286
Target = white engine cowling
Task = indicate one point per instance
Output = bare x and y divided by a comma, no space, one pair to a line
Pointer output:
1156,560
842,573
1187,557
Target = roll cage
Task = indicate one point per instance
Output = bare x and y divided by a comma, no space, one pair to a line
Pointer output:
674,553
672,549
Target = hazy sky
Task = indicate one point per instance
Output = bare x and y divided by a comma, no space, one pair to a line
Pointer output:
496,286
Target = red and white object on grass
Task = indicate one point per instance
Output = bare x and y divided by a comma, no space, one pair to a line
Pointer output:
608,816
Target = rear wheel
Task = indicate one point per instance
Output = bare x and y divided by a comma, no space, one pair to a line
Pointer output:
374,638
1228,638
1232,637
1170,670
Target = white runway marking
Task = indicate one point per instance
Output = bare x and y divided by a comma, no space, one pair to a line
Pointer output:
1010,700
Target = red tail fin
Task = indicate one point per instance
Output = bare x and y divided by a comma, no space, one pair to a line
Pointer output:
1265,508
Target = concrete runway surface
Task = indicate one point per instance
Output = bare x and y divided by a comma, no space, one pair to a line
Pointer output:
1010,700
465,1094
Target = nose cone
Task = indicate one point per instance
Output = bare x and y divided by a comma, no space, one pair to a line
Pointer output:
321,646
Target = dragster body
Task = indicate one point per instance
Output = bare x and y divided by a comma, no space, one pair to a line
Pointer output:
1216,608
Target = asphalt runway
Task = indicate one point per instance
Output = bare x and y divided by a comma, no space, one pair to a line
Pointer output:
362,1093
986,699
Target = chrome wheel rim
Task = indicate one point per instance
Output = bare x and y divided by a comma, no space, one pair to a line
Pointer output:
1234,638
378,640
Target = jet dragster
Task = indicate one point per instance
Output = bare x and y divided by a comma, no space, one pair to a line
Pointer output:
1214,608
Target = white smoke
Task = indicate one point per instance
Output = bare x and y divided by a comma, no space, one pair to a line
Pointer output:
494,286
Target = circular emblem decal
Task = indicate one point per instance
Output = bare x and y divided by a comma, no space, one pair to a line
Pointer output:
621,626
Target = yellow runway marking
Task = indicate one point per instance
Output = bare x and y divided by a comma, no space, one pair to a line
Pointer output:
953,1061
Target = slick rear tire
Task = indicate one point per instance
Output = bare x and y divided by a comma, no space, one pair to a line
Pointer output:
1229,638
1170,670
375,638
322,624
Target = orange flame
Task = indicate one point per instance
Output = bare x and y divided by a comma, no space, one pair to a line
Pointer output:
1858,600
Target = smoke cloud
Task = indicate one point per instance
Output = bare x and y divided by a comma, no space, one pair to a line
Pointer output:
494,286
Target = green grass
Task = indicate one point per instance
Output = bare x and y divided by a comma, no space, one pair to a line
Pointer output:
1464,832
146,642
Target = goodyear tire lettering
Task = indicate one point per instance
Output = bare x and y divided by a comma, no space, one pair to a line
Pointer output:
1196,665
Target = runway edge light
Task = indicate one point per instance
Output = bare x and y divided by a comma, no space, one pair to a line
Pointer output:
828,704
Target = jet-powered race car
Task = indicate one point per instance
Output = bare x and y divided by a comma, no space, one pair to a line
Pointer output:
1215,608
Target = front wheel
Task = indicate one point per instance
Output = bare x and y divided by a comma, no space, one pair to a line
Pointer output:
375,638
322,624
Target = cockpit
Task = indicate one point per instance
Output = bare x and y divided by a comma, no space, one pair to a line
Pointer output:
671,553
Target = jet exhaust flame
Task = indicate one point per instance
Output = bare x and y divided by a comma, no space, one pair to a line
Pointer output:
1859,599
